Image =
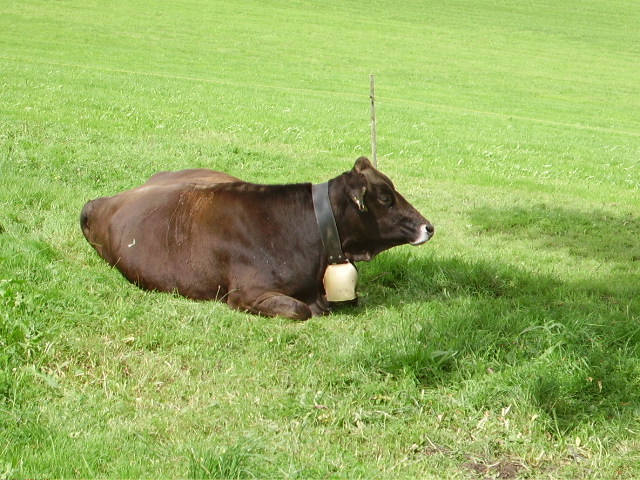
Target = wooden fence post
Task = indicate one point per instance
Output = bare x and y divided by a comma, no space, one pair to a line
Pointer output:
374,141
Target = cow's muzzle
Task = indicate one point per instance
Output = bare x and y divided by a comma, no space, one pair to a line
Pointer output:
425,232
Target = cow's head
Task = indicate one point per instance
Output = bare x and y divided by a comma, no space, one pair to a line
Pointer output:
373,216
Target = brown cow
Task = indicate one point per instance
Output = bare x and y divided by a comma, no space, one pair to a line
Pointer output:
208,235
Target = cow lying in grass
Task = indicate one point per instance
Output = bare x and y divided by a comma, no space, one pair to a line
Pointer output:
259,248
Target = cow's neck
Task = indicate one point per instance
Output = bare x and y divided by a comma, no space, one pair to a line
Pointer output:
327,223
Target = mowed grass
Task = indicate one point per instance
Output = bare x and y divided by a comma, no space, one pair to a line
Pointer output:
508,346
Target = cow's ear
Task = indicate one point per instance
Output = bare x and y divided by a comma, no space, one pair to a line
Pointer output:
358,183
362,164
357,196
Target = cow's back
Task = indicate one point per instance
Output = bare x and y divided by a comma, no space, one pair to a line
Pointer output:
200,176
142,230
97,213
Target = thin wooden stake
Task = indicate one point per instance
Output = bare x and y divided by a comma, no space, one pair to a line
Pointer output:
374,140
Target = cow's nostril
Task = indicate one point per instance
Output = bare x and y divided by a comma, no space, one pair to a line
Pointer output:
425,232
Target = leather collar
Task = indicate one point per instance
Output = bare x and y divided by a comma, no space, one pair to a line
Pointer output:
327,223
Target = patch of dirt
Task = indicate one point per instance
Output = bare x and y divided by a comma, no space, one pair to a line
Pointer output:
480,468
506,469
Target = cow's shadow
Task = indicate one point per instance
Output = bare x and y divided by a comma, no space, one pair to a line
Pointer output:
457,318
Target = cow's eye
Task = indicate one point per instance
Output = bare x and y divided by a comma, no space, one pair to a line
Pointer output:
385,199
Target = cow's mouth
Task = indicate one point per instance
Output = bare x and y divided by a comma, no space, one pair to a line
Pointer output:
425,232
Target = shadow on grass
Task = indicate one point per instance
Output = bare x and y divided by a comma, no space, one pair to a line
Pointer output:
595,234
569,350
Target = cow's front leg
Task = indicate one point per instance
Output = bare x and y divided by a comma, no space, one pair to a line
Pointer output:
273,304
320,306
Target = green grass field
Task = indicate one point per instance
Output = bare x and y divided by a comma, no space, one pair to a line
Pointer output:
507,347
